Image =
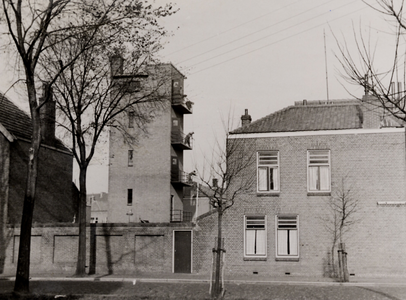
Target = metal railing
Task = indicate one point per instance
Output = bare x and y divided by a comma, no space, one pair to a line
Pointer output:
178,137
182,177
178,215
179,100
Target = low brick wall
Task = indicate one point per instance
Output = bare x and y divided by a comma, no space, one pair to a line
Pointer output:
119,248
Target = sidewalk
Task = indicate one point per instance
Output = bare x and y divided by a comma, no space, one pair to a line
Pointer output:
229,278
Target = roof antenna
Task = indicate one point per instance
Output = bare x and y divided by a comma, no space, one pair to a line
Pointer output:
325,61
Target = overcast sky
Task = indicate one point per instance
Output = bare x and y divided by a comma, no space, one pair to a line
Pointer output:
260,55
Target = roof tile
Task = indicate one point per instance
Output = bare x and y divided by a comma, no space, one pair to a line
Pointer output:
308,118
18,123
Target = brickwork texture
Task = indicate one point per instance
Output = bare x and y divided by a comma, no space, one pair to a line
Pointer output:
371,165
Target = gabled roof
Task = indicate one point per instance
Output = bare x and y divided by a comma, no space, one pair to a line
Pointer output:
15,120
309,117
18,123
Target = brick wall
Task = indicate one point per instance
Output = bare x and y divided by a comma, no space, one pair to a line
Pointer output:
373,166
54,194
119,248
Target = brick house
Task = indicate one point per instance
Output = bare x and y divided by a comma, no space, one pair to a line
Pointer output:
146,175
54,201
305,154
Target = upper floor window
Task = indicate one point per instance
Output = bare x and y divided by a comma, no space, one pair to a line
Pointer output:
318,178
268,174
255,236
130,158
131,119
133,86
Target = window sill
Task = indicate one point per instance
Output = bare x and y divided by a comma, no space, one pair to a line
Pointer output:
255,258
295,259
276,194
318,193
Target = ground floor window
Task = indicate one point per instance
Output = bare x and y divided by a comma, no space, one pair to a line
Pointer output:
287,236
255,236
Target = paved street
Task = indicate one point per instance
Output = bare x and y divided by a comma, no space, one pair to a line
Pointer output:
199,290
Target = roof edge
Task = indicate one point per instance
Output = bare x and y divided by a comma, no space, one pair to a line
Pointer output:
6,133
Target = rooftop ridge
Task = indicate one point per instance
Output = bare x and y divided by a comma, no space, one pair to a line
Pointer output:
305,102
309,115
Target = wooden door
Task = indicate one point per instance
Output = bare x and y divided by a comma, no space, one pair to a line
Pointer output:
182,252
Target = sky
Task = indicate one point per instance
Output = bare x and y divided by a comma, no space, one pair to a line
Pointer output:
260,55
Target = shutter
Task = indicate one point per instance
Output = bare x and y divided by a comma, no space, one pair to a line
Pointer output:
319,157
268,158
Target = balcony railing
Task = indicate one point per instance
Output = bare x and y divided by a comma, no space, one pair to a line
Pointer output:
178,215
181,178
181,104
181,140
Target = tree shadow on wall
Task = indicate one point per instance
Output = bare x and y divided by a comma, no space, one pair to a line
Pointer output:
6,234
108,250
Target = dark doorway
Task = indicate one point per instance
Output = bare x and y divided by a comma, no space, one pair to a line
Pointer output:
183,252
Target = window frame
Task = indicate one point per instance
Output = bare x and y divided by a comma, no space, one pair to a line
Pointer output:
278,256
268,167
320,164
255,256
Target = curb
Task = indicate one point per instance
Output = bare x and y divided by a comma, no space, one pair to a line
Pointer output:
192,280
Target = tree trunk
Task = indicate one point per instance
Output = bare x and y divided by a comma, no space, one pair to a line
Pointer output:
217,286
81,263
340,263
21,284
346,277
333,273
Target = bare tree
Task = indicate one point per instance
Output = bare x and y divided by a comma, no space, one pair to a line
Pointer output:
225,181
34,27
94,90
343,205
27,24
384,85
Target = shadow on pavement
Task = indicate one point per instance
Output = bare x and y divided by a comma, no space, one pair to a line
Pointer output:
62,289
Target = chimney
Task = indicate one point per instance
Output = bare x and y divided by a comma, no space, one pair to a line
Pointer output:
215,182
47,114
116,65
246,118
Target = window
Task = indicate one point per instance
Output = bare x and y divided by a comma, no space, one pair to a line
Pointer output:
287,238
133,86
268,175
130,158
131,119
255,236
318,170
130,197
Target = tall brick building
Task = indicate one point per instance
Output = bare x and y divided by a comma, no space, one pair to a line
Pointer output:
306,154
146,174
